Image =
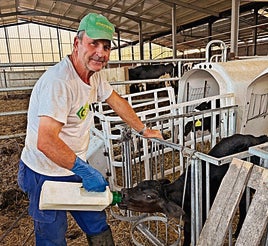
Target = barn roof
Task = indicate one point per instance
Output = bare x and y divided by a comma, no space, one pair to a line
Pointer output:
153,17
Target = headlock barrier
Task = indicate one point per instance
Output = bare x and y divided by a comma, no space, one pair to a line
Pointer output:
158,109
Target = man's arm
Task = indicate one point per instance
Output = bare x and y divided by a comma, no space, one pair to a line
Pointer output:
51,144
128,115
56,150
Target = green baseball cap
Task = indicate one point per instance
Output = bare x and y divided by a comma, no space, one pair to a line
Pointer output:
97,26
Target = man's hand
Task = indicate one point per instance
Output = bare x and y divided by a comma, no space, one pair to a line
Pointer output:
151,133
92,179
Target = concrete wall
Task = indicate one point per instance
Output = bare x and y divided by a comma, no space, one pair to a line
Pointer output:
19,78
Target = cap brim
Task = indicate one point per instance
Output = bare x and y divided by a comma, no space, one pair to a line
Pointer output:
99,35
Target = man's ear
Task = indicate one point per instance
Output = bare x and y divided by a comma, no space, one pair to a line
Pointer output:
171,209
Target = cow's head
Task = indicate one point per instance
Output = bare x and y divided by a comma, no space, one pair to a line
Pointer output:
149,197
203,106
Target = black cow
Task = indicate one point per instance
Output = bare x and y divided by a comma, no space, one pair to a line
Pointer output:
163,196
149,72
205,123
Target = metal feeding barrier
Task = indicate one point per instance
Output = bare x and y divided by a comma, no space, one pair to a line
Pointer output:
158,110
165,162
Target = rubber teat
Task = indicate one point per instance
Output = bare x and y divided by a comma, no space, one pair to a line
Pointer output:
117,197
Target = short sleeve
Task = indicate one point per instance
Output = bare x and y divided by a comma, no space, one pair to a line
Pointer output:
55,100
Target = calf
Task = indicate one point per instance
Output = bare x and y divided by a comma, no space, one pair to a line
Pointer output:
149,72
163,196
205,123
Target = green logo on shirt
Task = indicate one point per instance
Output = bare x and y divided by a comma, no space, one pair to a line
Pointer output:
83,111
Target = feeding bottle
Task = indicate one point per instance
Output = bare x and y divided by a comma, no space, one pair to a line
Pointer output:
71,196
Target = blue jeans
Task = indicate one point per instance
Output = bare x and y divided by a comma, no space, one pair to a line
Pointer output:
50,226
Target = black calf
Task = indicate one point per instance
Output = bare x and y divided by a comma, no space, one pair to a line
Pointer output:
205,123
163,196
149,72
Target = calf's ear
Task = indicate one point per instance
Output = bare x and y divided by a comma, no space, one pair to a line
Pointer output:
172,210
164,181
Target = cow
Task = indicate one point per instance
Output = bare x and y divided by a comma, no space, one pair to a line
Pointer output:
205,123
149,72
166,197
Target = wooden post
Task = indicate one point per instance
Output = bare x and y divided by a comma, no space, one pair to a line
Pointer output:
225,204
239,175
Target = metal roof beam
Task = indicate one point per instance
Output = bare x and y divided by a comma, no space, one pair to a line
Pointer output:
56,26
31,12
118,13
9,14
205,20
191,6
17,4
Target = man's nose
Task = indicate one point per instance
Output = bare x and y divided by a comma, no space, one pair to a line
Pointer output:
100,50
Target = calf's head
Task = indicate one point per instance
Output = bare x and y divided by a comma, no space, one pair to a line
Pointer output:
149,197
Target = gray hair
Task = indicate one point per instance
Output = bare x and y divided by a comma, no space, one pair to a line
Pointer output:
80,34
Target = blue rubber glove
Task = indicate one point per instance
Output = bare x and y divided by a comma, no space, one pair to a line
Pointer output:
92,179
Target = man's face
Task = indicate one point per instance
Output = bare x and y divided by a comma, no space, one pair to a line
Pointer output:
92,54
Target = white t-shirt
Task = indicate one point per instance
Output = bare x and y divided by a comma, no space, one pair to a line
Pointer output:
63,96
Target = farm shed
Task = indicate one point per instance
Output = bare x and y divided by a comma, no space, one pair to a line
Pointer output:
247,79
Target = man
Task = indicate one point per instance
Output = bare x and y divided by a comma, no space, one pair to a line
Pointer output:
59,119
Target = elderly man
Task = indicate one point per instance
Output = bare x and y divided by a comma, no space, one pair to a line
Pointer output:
59,119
